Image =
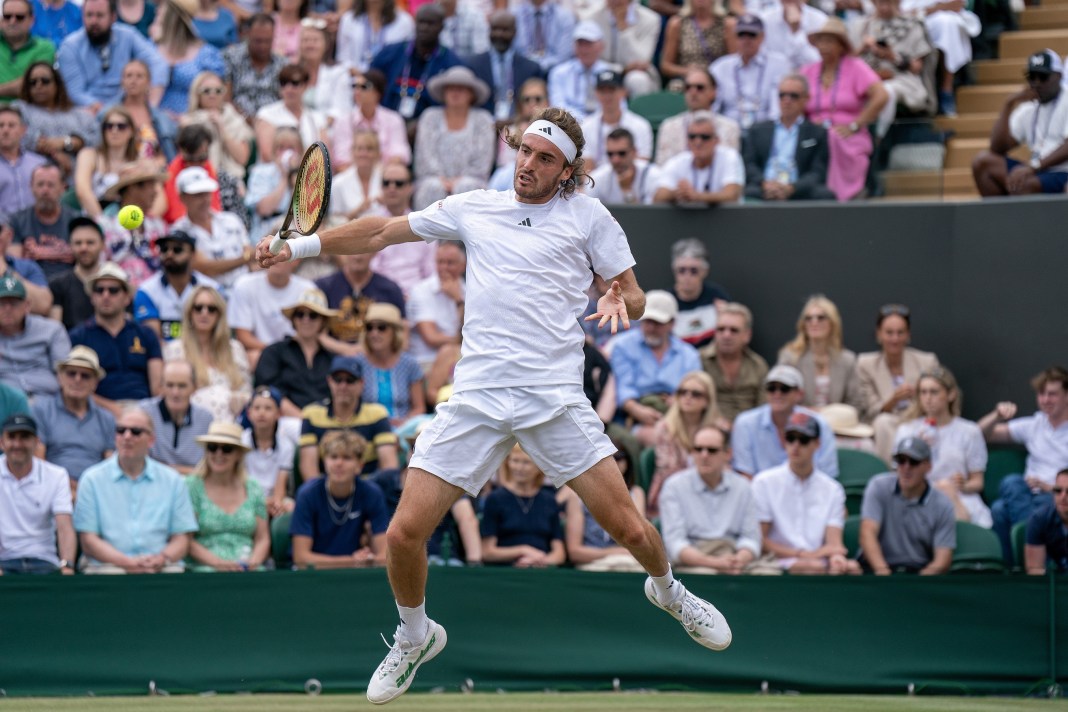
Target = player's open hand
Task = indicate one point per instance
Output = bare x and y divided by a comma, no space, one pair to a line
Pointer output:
611,308
264,256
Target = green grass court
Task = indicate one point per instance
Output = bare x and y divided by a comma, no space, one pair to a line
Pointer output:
538,702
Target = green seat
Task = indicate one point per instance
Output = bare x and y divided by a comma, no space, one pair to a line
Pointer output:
646,468
851,535
856,467
654,108
1002,460
978,549
1019,539
280,544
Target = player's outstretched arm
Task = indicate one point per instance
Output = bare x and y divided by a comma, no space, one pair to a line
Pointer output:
623,301
368,234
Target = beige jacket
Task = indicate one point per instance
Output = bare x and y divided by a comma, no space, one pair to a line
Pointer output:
876,384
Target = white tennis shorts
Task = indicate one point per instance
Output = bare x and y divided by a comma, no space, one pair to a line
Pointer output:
474,431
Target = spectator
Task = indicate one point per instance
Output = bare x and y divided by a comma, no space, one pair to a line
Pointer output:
92,59
633,31
138,14
545,33
950,27
219,362
888,376
12,402
454,143
708,174
465,31
1045,435
357,188
25,271
695,37
298,365
611,98
16,164
231,137
437,313
786,159
253,310
270,183
55,128
155,127
958,452
194,149
572,83
329,83
503,68
1046,542
287,18
393,378
346,409
41,230
760,434
30,345
368,116
521,519
74,432
788,27
185,53
55,19
160,299
97,168
70,291
828,368
623,178
589,546
134,250
252,68
746,81
289,111
35,505
129,352
700,96
371,26
127,524
19,48
848,96
736,369
707,511
176,420
350,291
333,510
906,525
274,446
533,97
231,514
411,262
800,507
698,298
997,174
215,24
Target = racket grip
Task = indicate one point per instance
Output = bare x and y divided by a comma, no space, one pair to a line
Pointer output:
276,245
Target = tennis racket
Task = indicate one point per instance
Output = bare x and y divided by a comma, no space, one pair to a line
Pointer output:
311,194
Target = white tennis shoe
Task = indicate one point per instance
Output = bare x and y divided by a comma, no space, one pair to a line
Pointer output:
395,674
702,621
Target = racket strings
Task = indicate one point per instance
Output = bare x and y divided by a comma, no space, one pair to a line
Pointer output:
309,202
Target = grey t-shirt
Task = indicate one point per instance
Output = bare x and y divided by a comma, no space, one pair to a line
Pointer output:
910,530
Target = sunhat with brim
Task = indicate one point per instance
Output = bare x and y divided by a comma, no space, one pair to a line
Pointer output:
133,174
225,434
835,28
82,357
313,299
108,270
458,77
845,421
384,312
187,10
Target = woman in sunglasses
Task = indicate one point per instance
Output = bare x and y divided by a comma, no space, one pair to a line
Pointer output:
231,136
229,506
368,115
391,377
55,127
97,166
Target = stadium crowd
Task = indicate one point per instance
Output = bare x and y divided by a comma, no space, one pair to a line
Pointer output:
163,400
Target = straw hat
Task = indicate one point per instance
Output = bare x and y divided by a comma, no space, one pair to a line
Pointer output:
225,433
108,270
187,10
845,421
837,29
384,312
458,76
83,357
136,172
313,299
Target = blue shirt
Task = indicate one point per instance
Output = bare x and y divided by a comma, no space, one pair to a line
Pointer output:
756,446
136,516
571,87
407,74
124,356
73,443
782,163
55,23
315,517
558,28
515,521
220,32
83,66
28,270
638,373
1046,528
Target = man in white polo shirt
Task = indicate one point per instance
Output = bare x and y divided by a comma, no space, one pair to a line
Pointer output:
707,174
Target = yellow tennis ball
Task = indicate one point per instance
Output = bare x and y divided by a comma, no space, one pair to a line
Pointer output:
131,217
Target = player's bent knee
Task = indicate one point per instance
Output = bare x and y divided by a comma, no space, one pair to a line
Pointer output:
405,534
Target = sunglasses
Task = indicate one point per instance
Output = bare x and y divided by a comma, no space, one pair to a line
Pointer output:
347,380
617,154
16,16
175,248
750,35
41,82
212,91
533,99
700,136
290,82
1038,78
690,392
116,126
698,87
209,308
778,388
902,460
215,447
378,326
895,310
363,86
790,95
798,438
706,449
122,430
302,314
78,375
107,290
688,270
394,183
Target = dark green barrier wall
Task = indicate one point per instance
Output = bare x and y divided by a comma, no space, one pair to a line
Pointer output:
525,631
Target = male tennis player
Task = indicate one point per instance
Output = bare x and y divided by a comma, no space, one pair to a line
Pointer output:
530,255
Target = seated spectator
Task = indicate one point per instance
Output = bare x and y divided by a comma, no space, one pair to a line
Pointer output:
828,368
958,453
454,142
907,526
231,136
40,232
698,297
408,263
194,147
693,408
334,509
215,24
274,446
98,166
759,434
231,514
545,33
1046,542
707,512
700,96
1045,435
329,83
17,165
847,97
800,508
649,364
287,17
55,19
368,116
252,68
55,128
21,47
635,31
70,291
35,506
571,82
521,519
134,250
392,378
253,310
504,69
160,299
298,365
437,314
1018,124
696,36
707,174
270,183
127,524
158,132
788,27
129,352
888,376
370,26
623,178
185,53
950,27
465,31
746,81
138,14
533,97
176,420
219,361
611,114
31,345
25,271
736,369
289,111
589,546
357,188
786,159
350,291
74,432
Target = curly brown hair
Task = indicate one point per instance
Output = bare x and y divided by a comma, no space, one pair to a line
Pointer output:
570,126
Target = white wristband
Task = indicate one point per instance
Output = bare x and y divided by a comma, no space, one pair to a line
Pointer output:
305,246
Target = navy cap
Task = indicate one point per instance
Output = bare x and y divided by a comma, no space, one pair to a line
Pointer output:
178,236
749,23
346,364
20,424
803,424
609,78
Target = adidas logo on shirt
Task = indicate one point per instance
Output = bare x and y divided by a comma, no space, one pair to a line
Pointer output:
525,222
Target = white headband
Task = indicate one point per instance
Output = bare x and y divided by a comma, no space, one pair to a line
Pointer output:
552,132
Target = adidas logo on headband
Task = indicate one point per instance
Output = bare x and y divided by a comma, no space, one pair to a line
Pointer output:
546,129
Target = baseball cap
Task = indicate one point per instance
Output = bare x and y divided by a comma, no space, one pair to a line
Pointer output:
786,375
749,23
609,78
913,447
178,236
1045,62
660,306
803,424
588,30
20,424
346,364
194,180
11,286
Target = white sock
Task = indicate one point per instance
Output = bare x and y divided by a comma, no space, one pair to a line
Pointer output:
666,587
414,623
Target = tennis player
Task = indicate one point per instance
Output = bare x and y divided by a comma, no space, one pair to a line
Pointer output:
531,251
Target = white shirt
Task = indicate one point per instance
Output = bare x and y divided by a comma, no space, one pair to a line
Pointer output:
1047,448
727,169
596,131
357,43
642,189
28,509
264,465
311,123
799,510
429,303
256,304
346,194
1041,127
749,93
228,239
794,45
528,269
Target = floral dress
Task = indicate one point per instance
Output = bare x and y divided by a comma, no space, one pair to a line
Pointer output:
228,536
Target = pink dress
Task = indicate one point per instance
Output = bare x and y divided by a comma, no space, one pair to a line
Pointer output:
839,105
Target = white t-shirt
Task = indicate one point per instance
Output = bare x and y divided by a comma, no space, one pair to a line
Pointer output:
1042,133
28,509
606,184
799,510
596,131
727,169
255,304
528,269
1047,449
263,465
428,303
228,239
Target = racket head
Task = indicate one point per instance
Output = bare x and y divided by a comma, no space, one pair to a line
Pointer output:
311,191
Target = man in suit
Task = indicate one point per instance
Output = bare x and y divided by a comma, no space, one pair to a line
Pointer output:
786,159
503,68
